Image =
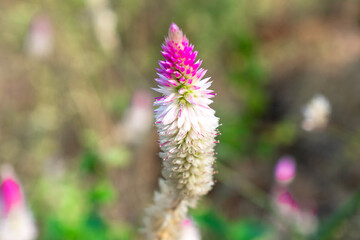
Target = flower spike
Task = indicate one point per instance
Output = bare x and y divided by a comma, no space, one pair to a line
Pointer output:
187,127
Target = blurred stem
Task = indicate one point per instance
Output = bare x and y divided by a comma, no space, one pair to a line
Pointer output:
342,134
256,195
346,136
245,187
338,218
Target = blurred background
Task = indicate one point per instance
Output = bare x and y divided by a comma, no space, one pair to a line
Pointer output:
76,114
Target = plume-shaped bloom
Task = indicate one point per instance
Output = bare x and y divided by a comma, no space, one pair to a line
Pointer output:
186,124
187,127
16,221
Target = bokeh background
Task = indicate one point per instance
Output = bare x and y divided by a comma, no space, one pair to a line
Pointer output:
76,108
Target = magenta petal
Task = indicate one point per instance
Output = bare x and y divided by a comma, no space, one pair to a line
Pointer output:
174,27
285,169
173,82
10,193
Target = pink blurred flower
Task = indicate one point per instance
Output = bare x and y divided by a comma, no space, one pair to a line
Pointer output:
287,209
10,195
285,170
40,38
138,119
16,220
292,214
189,231
285,203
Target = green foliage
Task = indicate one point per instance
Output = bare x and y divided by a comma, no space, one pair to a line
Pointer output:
329,228
214,226
248,78
102,193
74,212
246,229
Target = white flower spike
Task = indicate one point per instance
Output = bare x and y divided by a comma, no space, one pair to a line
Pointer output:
187,127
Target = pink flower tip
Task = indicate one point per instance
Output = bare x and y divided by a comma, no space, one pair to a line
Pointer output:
174,27
285,170
286,198
175,34
186,223
10,194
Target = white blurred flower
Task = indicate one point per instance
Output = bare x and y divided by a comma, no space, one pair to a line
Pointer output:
189,231
19,225
40,38
16,220
306,222
316,113
105,23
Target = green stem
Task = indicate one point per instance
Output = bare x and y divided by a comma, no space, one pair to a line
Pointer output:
331,225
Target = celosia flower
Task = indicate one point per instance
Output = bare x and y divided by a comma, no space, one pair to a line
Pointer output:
186,124
16,221
187,129
316,113
285,170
